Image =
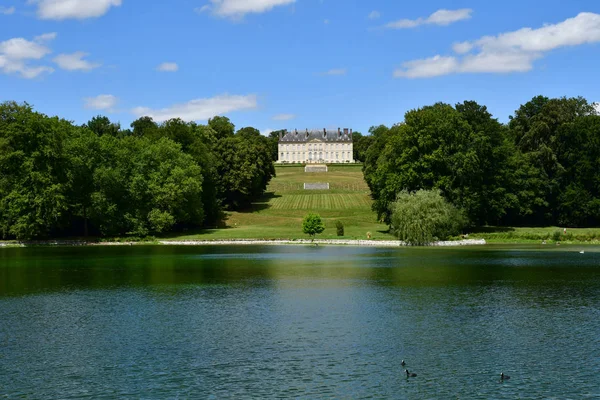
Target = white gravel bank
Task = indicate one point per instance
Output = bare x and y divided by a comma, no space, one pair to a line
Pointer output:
335,242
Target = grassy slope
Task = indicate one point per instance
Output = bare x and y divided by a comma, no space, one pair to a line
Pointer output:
280,214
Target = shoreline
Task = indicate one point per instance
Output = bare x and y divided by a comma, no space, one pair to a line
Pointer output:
331,242
246,242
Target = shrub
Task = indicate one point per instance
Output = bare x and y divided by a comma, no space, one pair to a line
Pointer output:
339,227
424,216
556,236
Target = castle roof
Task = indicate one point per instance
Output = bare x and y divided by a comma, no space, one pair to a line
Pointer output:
321,135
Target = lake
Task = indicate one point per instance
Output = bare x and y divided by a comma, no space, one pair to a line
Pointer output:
159,322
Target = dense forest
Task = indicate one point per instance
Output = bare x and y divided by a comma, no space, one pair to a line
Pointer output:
540,169
60,179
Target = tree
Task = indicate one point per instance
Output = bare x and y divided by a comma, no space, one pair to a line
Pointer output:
222,127
424,216
438,148
60,179
536,131
145,126
274,143
360,146
33,178
144,187
312,225
245,167
380,135
578,151
101,125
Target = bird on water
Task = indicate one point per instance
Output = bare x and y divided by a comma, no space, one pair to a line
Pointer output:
504,377
410,374
403,363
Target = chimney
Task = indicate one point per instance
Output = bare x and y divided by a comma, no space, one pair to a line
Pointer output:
324,133
296,132
307,133
345,133
350,134
339,133
280,135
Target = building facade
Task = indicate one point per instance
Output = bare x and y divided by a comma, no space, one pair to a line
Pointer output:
315,147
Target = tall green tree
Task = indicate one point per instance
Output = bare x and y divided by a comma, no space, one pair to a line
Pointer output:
146,127
578,151
33,178
101,125
145,187
274,143
360,146
245,167
456,150
534,129
222,127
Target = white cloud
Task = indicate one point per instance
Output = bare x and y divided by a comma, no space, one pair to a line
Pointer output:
374,15
427,68
16,54
73,9
440,17
7,10
326,22
237,9
284,117
101,102
75,62
584,28
500,62
266,132
34,72
168,67
336,71
507,52
462,48
200,109
46,37
20,49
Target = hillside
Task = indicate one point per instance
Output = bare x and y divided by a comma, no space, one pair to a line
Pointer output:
279,215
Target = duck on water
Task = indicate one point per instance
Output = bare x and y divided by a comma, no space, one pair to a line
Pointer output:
410,374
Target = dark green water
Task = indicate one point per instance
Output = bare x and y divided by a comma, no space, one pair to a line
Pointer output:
329,322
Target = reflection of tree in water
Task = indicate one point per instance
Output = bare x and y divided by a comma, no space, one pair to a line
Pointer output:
30,270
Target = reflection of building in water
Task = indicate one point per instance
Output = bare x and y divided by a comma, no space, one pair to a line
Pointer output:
316,146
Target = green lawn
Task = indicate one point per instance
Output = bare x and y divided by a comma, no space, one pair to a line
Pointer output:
537,235
279,215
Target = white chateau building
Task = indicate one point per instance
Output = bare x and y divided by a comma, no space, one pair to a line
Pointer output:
316,147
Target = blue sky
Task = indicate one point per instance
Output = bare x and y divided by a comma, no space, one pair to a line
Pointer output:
275,64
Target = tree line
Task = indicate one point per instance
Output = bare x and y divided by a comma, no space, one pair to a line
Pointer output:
59,179
539,169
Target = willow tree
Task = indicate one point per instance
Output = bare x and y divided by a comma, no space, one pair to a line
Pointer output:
424,216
